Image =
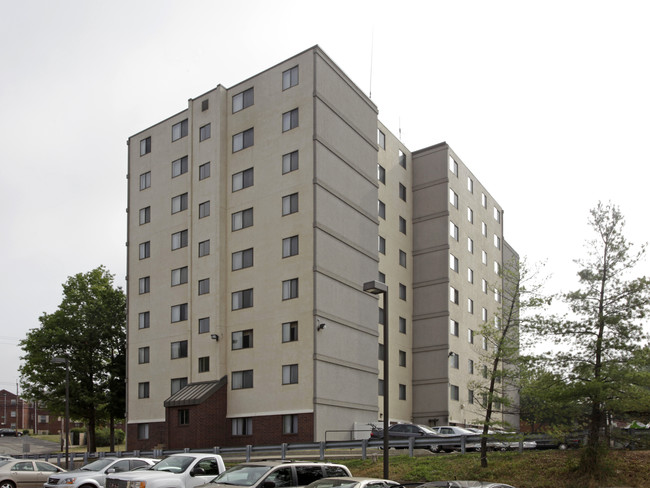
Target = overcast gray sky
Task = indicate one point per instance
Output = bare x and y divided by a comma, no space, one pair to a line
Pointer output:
547,102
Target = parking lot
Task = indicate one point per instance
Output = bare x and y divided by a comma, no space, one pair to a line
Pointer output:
15,446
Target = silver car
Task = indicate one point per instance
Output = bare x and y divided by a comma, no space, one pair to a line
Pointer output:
93,475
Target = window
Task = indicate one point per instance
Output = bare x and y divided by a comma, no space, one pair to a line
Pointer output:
242,180
179,130
179,349
402,225
204,132
453,166
484,286
242,299
484,344
381,139
289,374
484,371
179,239
402,292
470,275
381,276
497,241
484,200
497,215
179,276
179,312
243,140
290,120
453,327
143,389
290,78
204,364
402,392
204,248
382,245
242,426
290,289
242,100
144,285
179,203
453,230
242,259
204,325
470,245
470,185
183,416
497,295
470,366
242,339
179,167
381,352
290,331
470,305
402,258
290,204
453,295
381,209
242,379
204,286
289,424
289,246
143,355
484,259
453,263
380,388
381,174
382,317
289,162
145,215
401,158
402,358
204,171
497,267
453,198
453,392
484,314
402,192
145,180
145,146
484,230
143,431
205,104
402,325
470,397
204,209
470,336
242,219
145,250
470,215
143,320
177,384
453,360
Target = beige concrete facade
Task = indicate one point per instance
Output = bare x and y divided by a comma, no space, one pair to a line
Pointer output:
325,208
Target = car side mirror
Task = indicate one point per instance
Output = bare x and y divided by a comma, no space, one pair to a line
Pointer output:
110,470
198,471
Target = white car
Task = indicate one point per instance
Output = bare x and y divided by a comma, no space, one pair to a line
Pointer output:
352,482
93,475
451,431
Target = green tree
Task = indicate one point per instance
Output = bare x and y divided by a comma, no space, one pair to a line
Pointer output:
89,330
602,334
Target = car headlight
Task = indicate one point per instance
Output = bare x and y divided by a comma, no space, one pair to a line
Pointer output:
136,484
68,481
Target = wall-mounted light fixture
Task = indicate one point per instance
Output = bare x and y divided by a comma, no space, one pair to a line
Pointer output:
215,337
320,325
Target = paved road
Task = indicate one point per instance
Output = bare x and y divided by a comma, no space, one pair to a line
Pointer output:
26,445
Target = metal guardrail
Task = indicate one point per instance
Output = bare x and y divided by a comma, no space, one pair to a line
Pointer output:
314,450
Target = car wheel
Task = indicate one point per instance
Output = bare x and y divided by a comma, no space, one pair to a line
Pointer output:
8,484
434,449
562,447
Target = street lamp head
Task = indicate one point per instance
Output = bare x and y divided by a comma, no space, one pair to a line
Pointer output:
375,287
59,361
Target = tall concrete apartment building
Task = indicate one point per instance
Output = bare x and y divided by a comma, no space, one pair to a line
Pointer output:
254,218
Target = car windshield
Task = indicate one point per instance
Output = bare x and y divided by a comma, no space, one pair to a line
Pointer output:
242,475
97,465
427,429
2,463
173,464
334,483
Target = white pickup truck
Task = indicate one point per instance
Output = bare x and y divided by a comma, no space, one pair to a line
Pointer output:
185,470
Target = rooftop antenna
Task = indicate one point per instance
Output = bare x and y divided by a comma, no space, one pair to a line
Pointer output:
372,46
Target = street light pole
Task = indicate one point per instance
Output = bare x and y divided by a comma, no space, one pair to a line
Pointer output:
379,288
67,407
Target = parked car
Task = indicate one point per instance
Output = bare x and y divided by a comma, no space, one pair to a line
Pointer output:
276,474
406,431
5,457
545,441
186,470
25,473
352,482
492,443
6,432
93,475
452,431
464,484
